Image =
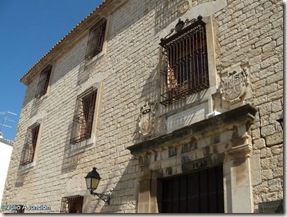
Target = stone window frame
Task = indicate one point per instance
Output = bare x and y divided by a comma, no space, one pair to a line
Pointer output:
204,98
185,61
95,44
19,208
84,115
84,144
43,82
68,203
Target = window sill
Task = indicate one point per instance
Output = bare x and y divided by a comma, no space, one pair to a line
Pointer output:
41,98
95,58
26,168
82,146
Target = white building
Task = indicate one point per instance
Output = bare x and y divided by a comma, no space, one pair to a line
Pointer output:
6,147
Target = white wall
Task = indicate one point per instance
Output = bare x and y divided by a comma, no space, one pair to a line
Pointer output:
5,154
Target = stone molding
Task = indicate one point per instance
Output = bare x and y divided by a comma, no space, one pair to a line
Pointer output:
245,114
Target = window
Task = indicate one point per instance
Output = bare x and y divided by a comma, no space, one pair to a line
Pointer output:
185,62
72,204
43,83
84,115
96,39
30,144
20,209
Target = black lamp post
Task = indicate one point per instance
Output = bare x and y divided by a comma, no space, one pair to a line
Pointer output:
92,180
280,120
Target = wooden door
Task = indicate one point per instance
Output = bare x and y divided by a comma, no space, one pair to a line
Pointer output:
199,192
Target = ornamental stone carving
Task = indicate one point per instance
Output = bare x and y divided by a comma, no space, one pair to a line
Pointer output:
147,117
183,7
234,85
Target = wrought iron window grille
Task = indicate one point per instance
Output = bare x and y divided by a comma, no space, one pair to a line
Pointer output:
83,118
96,39
43,82
72,204
185,65
30,145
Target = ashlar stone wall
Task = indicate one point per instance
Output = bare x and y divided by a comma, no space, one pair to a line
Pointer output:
246,34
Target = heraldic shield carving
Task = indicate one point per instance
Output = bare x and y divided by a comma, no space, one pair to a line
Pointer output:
147,116
234,85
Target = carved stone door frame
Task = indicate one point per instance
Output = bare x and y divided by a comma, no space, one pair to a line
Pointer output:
223,139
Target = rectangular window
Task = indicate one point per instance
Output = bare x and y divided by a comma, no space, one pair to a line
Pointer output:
29,148
96,39
72,204
185,65
43,82
84,115
19,209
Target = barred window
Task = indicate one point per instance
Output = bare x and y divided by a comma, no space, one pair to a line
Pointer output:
30,144
43,82
72,204
185,65
96,39
84,115
19,208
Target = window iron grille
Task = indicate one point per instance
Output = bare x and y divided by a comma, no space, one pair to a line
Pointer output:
96,39
19,209
72,204
30,145
84,115
185,63
43,82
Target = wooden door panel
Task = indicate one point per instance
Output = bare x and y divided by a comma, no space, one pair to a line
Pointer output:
199,192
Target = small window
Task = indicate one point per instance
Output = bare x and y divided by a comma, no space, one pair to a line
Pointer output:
43,83
30,144
84,115
72,204
185,62
96,39
20,209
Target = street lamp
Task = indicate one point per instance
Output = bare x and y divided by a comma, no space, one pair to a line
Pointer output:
280,120
92,180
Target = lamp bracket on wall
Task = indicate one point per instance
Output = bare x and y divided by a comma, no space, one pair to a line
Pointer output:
104,197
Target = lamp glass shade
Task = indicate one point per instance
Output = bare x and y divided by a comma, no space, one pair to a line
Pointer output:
88,183
280,120
95,183
92,180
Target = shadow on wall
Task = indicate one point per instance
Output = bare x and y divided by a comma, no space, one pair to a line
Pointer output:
165,13
123,194
72,153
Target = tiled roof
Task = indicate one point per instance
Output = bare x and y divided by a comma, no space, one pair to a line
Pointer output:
81,23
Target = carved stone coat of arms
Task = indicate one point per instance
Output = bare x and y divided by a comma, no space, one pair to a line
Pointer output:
234,85
147,116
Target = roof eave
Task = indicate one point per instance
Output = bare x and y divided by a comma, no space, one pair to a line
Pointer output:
71,38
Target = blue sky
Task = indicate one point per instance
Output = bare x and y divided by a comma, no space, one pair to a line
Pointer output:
28,29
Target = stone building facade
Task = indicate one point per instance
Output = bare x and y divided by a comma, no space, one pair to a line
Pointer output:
173,101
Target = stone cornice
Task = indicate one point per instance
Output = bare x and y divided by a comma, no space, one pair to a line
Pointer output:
243,114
